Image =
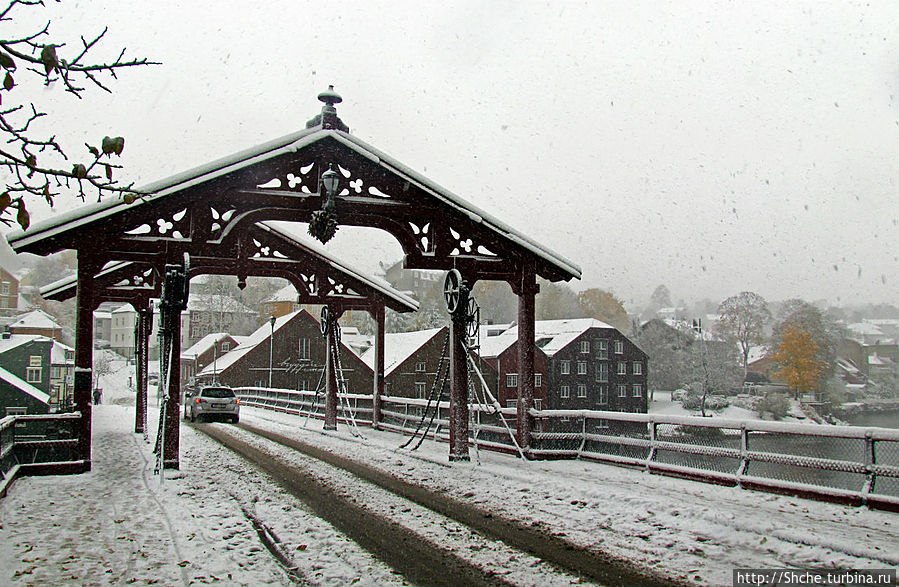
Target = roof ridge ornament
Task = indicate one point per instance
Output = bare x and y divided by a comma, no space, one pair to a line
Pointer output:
328,118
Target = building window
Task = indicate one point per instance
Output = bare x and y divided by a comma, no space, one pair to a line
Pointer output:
511,379
538,379
33,374
602,349
585,346
622,390
622,368
564,392
603,396
420,390
538,404
602,372
638,390
420,366
303,349
638,368
512,403
4,288
565,367
581,390
582,367
34,361
602,424
302,385
226,346
619,347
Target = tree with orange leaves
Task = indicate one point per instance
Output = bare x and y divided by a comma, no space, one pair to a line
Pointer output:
797,356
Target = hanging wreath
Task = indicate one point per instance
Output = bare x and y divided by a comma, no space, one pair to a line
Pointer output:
323,225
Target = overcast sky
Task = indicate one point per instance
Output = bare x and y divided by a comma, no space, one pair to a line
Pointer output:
713,147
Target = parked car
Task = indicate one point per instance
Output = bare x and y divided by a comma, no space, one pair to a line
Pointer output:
214,402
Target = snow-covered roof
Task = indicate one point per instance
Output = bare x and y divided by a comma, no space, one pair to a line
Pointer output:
24,386
558,334
204,344
58,353
399,346
288,293
494,346
14,340
285,146
249,343
102,315
35,319
865,328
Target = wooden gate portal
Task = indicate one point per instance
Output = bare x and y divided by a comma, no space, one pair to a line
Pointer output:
218,214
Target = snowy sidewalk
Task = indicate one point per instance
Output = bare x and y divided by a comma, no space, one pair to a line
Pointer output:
116,526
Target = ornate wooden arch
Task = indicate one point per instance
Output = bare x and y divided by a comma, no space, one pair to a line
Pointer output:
211,209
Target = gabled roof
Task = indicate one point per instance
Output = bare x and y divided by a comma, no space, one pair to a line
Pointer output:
558,334
45,236
493,346
399,346
24,386
205,344
36,319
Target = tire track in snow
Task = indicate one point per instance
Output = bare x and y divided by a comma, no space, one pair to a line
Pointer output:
589,564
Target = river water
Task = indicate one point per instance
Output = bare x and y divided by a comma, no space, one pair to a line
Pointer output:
879,419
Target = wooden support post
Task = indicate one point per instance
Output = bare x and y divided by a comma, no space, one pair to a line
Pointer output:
527,290
331,372
84,353
458,416
378,371
173,402
141,358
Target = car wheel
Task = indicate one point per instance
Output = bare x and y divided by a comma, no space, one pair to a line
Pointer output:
235,419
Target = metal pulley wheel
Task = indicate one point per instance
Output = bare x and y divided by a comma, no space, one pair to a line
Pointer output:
325,317
452,290
472,317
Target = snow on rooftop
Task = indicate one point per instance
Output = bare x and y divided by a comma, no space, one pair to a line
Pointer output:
561,333
204,344
399,346
248,343
36,319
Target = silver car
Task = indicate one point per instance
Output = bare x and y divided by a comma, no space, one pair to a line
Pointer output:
214,402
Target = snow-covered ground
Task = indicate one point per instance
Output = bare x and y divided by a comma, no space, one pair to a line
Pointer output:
118,524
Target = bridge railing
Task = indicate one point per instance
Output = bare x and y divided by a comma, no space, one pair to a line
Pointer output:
837,463
38,444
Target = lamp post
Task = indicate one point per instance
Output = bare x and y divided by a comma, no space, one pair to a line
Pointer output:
271,347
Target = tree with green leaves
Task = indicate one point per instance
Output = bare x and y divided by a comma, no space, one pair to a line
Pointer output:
36,164
797,357
743,318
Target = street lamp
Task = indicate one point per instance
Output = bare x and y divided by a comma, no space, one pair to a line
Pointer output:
271,347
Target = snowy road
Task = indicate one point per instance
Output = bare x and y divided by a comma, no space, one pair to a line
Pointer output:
117,525
427,536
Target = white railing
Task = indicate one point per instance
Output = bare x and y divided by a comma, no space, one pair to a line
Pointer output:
837,463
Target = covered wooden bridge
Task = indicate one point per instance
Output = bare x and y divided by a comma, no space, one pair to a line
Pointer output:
322,176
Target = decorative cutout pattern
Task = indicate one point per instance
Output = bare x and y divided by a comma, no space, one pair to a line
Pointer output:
264,251
220,220
310,284
305,182
176,227
141,279
467,247
338,289
424,241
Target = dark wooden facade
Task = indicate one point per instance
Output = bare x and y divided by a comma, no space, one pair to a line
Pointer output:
298,358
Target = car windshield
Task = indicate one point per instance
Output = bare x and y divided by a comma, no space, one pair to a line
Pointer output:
217,392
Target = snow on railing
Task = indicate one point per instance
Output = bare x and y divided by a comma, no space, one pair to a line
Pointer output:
838,463
36,443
